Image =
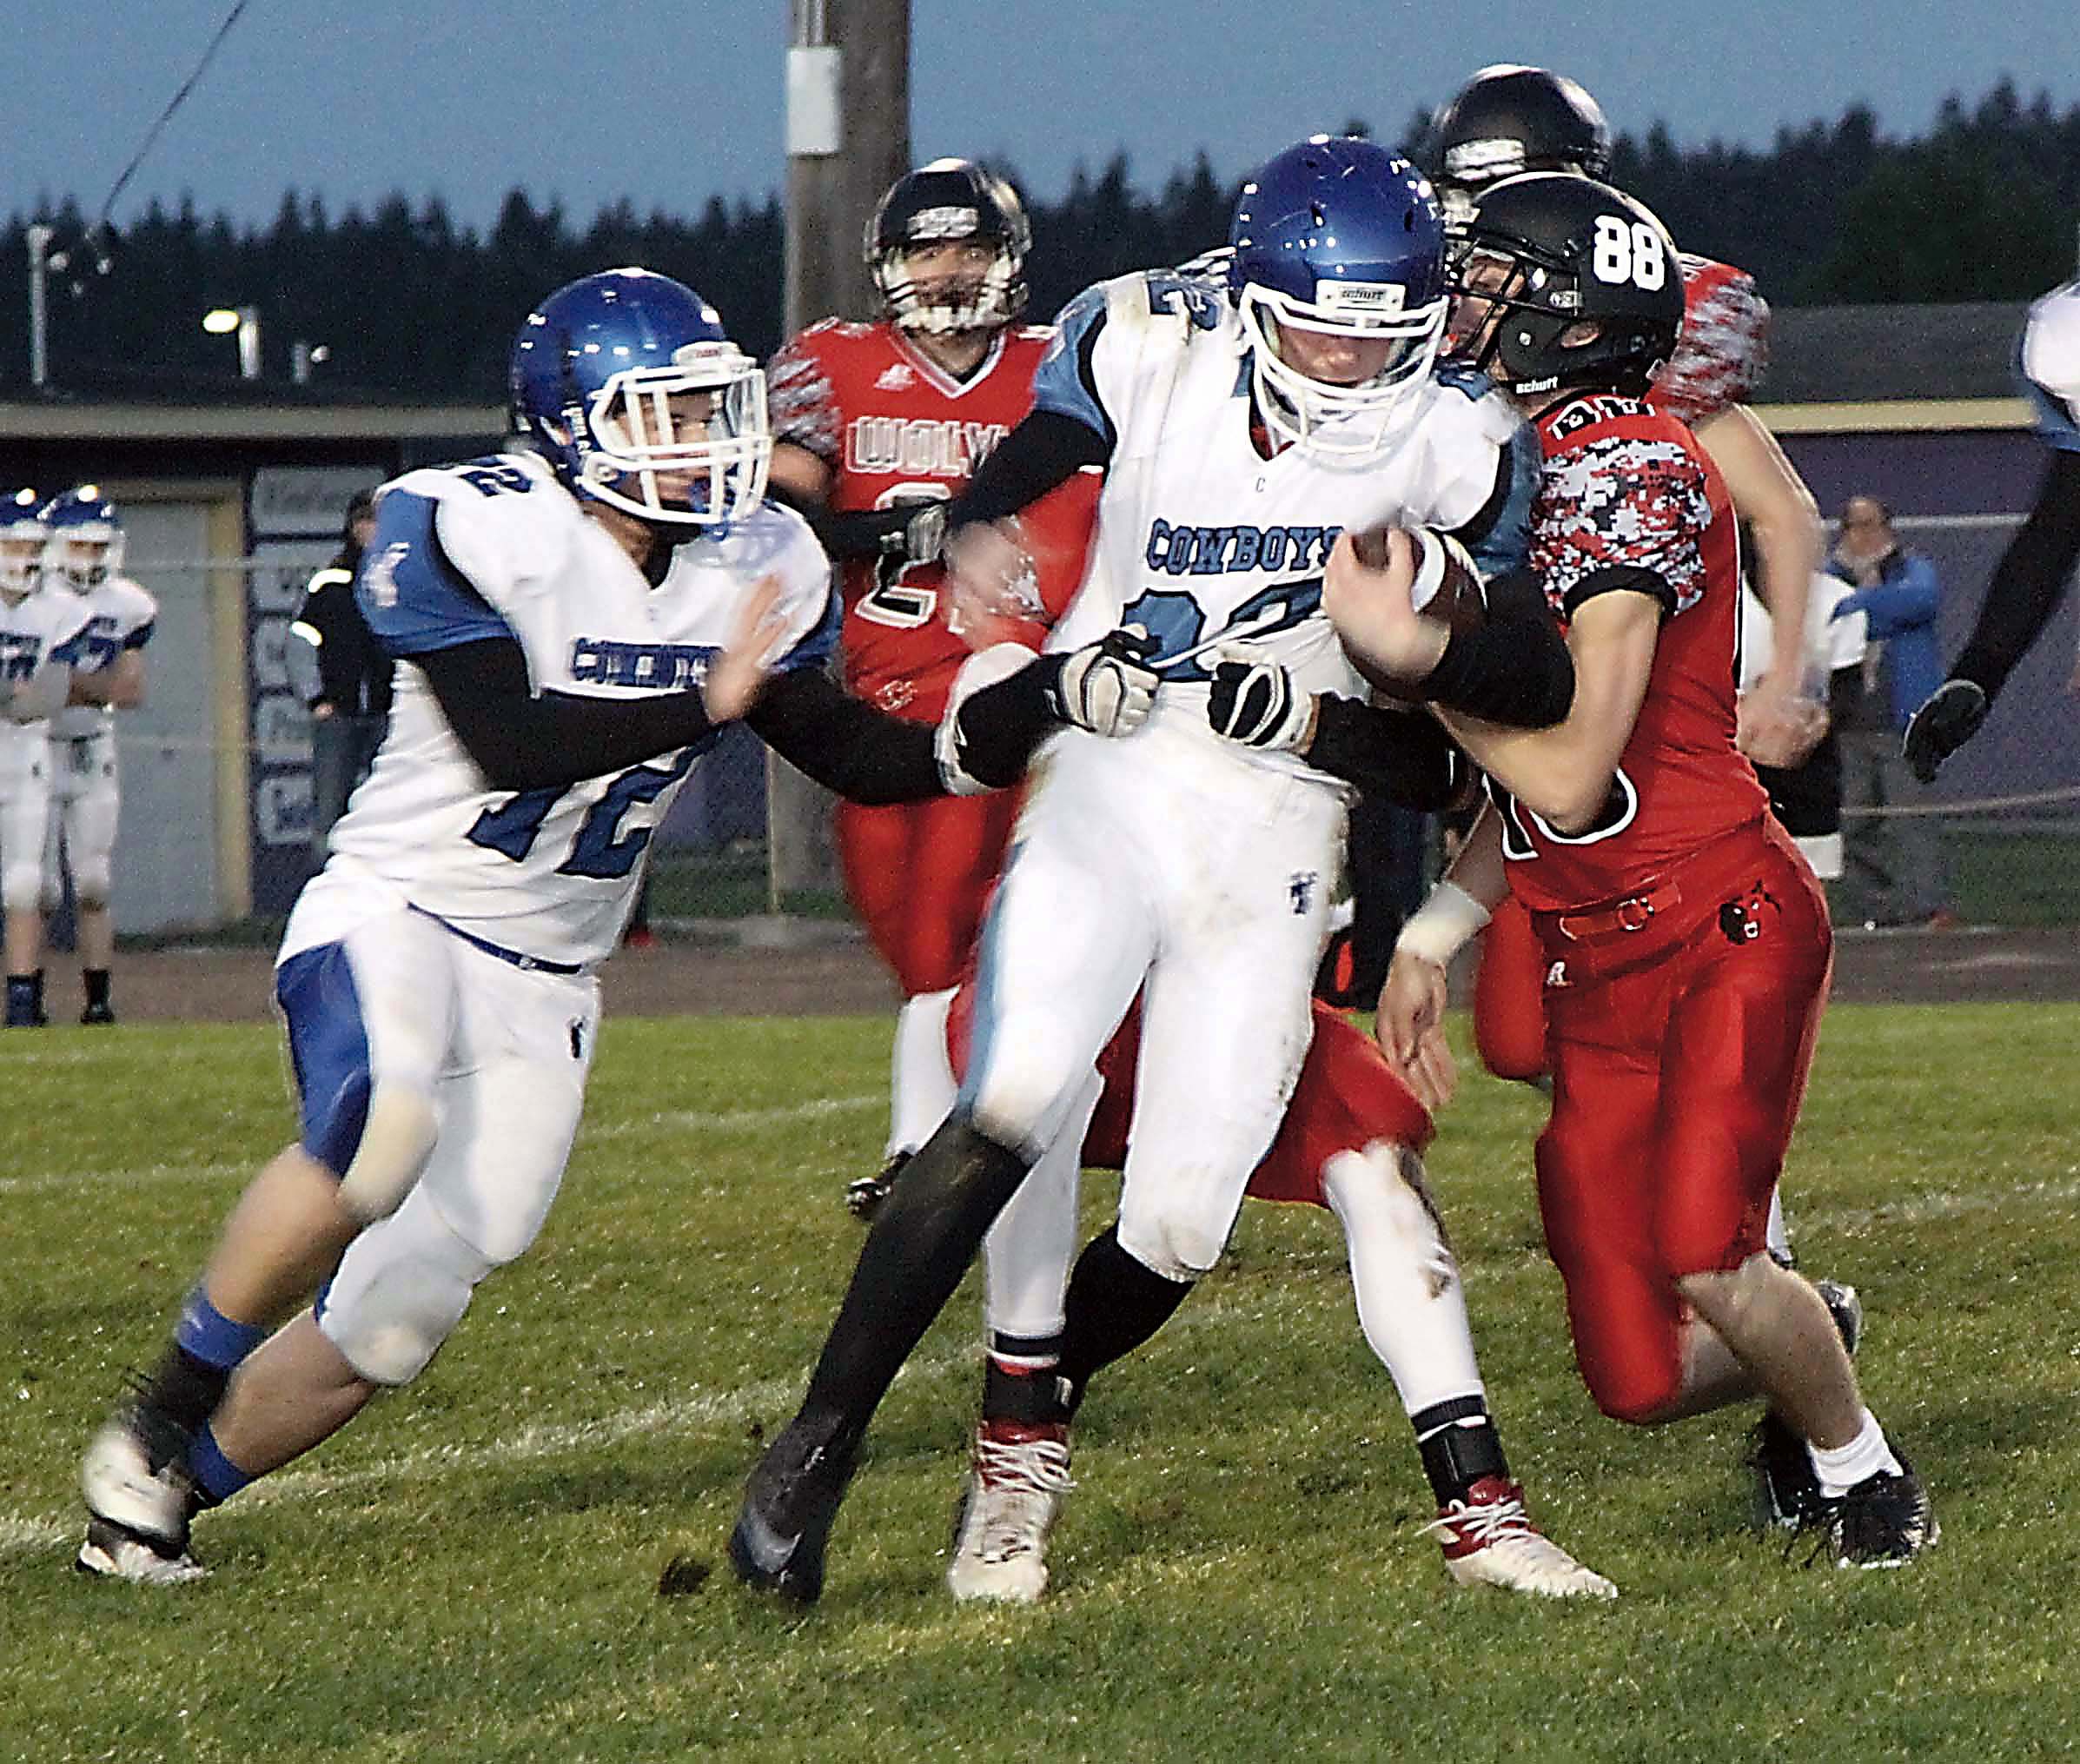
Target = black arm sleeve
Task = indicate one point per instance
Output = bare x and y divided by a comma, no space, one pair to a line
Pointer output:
867,756
1514,667
1047,448
844,743
525,740
2028,582
1401,757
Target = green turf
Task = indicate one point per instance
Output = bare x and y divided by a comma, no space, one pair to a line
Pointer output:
468,1572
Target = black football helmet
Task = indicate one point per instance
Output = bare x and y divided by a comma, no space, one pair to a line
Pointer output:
950,200
1552,254
1509,119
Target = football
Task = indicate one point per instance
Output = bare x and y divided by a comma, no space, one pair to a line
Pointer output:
1447,587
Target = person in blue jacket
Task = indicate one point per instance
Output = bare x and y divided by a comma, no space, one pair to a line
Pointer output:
1895,858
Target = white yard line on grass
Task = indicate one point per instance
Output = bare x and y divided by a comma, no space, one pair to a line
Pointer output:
24,1536
674,1121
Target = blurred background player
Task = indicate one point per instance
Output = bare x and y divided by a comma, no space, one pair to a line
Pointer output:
41,626
1807,797
574,624
350,708
875,426
1688,945
86,794
2035,571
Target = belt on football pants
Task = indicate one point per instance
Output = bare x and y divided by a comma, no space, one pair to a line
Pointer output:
1635,912
533,965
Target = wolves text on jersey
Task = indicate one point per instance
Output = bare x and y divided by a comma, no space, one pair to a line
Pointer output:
933,446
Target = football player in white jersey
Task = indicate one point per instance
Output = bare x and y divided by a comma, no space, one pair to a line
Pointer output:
41,626
1240,431
2036,570
572,626
86,556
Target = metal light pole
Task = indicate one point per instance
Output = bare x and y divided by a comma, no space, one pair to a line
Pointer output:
245,320
39,311
848,139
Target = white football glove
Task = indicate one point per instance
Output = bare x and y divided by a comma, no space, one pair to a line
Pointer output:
1105,687
1254,702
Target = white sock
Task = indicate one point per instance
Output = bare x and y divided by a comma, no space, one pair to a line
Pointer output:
1410,1303
1775,1238
921,1085
1867,1455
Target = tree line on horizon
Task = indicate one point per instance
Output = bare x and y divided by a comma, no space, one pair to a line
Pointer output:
1983,207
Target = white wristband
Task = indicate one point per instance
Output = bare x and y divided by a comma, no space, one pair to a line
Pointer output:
1449,918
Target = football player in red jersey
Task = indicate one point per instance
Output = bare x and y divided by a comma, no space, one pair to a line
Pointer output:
1510,119
875,426
1686,943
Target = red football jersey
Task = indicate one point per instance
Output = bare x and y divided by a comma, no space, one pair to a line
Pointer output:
1725,346
894,428
1626,485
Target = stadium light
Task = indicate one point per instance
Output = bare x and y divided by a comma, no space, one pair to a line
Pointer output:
245,320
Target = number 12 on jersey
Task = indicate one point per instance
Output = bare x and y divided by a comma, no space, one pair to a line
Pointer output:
601,849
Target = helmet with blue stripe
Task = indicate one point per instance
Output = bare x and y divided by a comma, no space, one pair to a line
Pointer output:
627,384
1338,275
22,537
85,536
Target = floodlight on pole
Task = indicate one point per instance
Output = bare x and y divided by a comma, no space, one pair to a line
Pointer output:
245,320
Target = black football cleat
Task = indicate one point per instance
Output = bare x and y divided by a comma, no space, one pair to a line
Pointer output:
791,1501
1885,1521
1787,1488
98,1012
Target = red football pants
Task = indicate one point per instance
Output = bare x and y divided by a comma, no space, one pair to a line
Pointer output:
919,874
1680,1057
1509,997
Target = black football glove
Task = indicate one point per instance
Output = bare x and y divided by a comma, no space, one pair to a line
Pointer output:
1254,702
1948,718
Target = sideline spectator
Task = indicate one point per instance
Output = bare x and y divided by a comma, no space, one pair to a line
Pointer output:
351,708
1895,859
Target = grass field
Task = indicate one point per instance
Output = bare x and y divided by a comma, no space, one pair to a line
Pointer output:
469,1572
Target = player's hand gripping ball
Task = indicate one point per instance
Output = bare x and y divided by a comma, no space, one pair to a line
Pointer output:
1391,596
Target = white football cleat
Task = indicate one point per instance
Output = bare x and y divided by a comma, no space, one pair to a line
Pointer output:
1489,1541
134,1478
1014,1487
123,1555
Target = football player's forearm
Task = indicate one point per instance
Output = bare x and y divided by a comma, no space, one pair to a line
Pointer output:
522,740
1769,495
2029,582
1045,450
1401,757
845,745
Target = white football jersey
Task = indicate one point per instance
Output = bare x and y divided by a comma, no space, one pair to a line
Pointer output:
1831,644
1199,533
123,617
40,637
498,548
2049,357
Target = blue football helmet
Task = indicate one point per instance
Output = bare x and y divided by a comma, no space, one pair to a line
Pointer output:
596,370
22,537
1339,237
85,535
